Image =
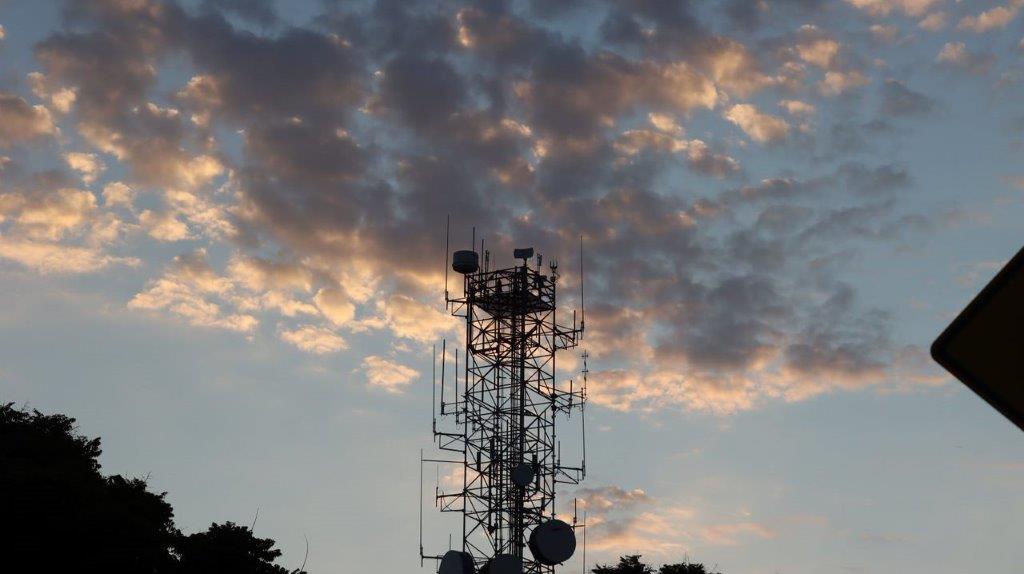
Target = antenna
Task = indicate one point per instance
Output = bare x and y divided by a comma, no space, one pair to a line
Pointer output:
421,508
444,348
584,541
456,375
433,391
583,414
447,238
583,306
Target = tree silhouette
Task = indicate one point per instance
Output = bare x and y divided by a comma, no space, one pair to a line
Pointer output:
684,568
227,547
631,564
59,513
627,565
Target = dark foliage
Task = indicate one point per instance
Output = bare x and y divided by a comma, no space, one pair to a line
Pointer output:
684,568
632,565
627,565
59,513
227,548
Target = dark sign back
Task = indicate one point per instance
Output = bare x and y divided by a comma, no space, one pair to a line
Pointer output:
984,345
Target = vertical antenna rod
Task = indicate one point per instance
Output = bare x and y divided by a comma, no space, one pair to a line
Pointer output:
583,305
433,390
421,508
444,348
447,239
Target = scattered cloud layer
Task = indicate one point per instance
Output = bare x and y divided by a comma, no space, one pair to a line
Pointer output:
623,521
305,197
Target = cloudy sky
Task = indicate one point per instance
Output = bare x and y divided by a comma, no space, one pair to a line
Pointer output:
222,240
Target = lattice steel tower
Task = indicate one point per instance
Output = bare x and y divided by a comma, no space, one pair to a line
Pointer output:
504,414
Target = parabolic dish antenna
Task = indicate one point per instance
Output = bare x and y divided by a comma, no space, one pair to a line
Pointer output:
553,542
455,562
522,475
503,564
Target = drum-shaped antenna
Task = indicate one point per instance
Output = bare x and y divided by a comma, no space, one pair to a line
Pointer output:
552,542
455,562
503,564
524,253
522,474
465,261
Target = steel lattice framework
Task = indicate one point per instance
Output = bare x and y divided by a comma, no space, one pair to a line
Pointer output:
505,412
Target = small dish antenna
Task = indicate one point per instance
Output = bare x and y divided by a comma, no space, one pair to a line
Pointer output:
522,474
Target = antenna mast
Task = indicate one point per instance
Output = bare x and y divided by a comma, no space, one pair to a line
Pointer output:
504,417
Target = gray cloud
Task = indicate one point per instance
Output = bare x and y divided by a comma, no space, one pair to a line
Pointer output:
899,100
361,134
21,122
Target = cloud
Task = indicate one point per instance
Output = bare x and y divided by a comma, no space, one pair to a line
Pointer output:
956,55
731,534
48,225
701,159
61,98
256,11
21,122
50,215
606,85
314,339
621,521
994,18
163,226
759,126
328,203
933,22
388,375
117,194
836,82
410,319
885,7
899,100
192,290
56,258
885,33
817,51
86,164
258,274
335,305
797,107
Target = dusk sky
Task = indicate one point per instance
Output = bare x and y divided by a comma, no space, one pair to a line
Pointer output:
222,236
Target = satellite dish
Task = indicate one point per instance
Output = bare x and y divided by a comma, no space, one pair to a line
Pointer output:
522,475
503,564
455,562
552,542
465,261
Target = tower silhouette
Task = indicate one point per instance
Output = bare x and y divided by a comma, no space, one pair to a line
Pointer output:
504,414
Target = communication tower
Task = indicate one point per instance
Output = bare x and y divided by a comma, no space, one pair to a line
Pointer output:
503,417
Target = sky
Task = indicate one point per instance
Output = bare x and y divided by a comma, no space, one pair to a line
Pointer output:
222,228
